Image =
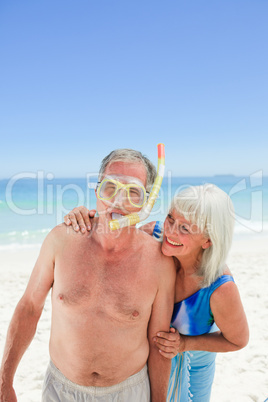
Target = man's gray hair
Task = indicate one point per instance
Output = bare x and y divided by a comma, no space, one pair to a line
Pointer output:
130,155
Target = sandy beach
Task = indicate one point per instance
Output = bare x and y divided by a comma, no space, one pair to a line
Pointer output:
240,376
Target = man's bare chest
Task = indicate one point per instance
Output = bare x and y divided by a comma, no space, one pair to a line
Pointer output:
120,287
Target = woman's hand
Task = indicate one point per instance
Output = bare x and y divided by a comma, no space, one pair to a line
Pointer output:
170,343
80,219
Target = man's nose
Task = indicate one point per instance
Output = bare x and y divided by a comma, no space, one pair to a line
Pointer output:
120,197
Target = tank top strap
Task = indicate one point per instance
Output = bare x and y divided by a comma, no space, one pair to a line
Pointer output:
158,231
220,281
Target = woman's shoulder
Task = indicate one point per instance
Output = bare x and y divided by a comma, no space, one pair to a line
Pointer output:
221,284
227,271
224,287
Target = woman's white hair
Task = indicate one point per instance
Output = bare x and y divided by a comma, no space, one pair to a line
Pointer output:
211,209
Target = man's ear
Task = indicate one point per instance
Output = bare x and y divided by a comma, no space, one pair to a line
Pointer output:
206,244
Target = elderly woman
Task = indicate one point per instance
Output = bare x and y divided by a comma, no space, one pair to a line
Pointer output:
208,314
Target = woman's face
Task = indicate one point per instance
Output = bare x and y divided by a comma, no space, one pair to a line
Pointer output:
182,238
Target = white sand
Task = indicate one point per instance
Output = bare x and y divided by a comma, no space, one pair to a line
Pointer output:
243,376
240,376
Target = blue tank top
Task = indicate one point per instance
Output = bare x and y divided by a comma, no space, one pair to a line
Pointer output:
193,316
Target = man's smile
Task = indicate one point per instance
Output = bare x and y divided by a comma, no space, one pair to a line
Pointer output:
116,215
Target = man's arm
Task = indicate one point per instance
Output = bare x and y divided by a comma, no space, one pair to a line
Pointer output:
25,318
159,366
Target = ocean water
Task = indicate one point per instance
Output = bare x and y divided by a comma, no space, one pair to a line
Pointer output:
31,206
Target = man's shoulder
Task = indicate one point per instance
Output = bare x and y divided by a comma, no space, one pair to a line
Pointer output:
63,230
153,248
59,234
146,240
167,263
59,231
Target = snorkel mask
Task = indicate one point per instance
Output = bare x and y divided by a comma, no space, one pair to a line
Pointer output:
128,191
134,218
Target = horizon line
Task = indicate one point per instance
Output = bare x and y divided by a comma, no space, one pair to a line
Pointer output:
165,176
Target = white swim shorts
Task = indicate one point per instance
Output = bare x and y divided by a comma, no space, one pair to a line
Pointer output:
57,388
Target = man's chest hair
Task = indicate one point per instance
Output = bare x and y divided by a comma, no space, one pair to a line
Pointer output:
126,285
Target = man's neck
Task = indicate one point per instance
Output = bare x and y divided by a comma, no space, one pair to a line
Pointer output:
114,241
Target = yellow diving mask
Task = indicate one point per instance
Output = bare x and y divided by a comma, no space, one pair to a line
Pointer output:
129,189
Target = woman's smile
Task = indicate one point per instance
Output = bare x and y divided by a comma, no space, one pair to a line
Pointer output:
173,243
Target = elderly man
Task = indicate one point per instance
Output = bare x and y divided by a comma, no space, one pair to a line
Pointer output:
111,293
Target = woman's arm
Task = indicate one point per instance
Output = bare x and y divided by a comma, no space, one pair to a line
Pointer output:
229,316
81,219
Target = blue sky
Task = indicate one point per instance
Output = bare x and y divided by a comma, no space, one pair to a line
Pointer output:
80,78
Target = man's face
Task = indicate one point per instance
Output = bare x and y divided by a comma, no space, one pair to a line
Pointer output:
124,172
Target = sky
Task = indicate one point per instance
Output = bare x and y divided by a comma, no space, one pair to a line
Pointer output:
81,78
